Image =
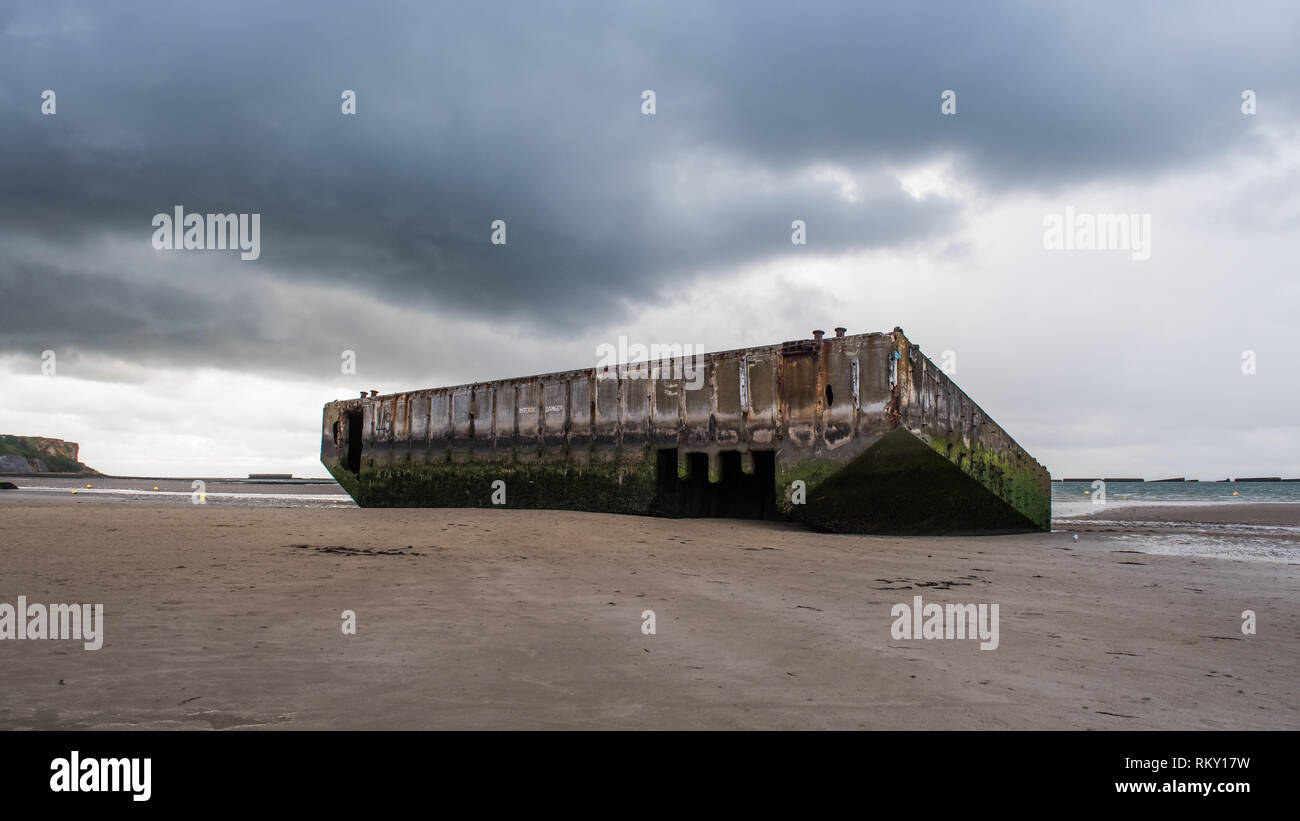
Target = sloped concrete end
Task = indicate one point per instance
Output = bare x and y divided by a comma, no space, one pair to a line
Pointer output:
903,486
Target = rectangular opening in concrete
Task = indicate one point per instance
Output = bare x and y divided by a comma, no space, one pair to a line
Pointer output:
736,494
352,455
666,472
729,494
697,493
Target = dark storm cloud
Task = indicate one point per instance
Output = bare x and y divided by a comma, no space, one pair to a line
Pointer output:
469,113
150,324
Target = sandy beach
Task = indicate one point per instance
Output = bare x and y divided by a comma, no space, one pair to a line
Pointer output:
221,617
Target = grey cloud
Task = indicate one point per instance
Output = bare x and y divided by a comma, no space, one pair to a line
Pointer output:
470,113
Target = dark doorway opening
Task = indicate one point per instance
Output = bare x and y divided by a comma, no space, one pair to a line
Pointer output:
735,495
352,452
666,472
729,492
697,496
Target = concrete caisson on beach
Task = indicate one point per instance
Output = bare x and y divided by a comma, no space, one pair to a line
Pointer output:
854,434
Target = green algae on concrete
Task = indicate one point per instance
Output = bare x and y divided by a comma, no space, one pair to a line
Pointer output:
901,486
1026,487
812,472
598,487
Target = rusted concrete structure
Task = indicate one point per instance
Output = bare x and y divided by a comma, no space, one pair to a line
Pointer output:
881,439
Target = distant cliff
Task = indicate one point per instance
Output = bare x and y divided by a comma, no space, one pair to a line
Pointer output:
37,454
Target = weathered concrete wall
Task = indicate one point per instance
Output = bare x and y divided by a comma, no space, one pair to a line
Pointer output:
760,419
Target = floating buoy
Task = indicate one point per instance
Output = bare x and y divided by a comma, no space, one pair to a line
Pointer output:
87,485
155,487
74,493
1234,493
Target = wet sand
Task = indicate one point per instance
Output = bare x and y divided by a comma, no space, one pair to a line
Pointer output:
1233,513
219,617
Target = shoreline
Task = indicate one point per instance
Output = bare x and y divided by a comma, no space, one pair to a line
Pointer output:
1243,513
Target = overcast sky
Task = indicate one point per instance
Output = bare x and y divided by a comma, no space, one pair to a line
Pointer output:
673,227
